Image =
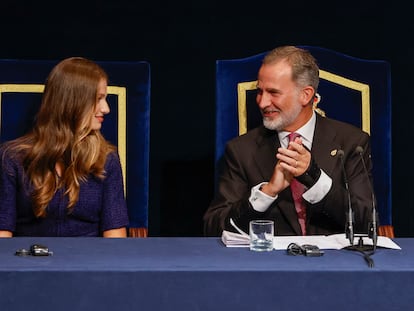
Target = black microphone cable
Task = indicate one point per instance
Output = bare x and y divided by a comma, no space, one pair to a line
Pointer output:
365,250
349,229
372,230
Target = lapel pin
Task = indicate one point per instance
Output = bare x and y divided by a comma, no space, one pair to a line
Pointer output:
333,152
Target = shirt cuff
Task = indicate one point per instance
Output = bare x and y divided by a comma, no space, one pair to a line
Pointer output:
259,200
319,190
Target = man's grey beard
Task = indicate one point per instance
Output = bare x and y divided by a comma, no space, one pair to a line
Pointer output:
284,120
274,125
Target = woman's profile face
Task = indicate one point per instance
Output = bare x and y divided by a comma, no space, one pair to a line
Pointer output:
101,107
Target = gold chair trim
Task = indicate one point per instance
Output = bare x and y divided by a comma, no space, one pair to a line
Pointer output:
363,88
120,92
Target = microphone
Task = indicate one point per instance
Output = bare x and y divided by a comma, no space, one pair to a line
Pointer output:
372,230
349,227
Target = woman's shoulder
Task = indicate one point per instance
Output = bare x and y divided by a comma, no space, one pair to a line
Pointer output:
10,158
16,148
7,151
112,155
112,159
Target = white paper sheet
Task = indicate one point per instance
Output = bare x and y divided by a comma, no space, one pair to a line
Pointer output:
334,241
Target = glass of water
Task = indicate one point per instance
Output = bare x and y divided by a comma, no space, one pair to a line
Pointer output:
261,235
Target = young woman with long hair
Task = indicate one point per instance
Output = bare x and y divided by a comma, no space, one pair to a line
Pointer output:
63,178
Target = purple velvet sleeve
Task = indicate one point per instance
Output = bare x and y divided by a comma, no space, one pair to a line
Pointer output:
114,210
7,193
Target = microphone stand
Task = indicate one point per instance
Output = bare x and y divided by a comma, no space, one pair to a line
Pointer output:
372,229
349,229
360,246
366,250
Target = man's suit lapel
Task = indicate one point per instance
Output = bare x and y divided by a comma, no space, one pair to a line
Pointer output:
324,148
265,158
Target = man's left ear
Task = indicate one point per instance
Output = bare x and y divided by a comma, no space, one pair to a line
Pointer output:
307,94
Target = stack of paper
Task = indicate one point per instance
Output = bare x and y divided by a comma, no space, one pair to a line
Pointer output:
232,239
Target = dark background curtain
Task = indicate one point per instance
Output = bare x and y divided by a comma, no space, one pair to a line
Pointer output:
182,40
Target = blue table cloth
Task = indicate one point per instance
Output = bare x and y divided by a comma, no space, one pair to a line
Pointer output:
199,274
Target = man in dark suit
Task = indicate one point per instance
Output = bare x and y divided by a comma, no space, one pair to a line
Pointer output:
261,167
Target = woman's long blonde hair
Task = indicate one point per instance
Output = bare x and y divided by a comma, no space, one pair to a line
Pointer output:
62,134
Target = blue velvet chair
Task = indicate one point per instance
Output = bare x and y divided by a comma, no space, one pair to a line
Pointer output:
127,126
353,90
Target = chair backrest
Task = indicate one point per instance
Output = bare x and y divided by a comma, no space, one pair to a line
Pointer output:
357,91
127,126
